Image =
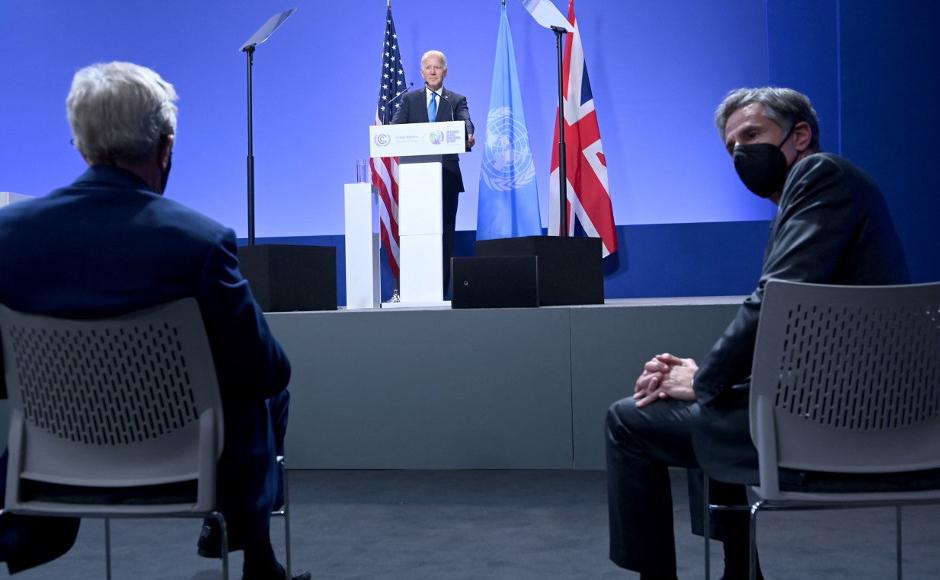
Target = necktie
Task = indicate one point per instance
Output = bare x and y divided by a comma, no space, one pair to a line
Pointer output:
432,107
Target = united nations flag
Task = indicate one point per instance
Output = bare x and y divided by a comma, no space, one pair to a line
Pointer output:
509,198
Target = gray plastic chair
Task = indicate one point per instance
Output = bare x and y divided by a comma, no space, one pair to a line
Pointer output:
102,407
845,380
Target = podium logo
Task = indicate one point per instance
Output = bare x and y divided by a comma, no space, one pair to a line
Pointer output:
437,137
382,139
507,160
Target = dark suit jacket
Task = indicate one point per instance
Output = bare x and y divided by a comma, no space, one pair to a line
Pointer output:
451,107
107,245
832,227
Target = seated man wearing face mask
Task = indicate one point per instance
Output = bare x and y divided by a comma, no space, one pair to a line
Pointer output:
833,227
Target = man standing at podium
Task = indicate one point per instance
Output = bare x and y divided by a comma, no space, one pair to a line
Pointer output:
434,103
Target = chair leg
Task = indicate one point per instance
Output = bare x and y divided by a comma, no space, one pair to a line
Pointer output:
223,537
286,511
900,555
706,522
752,541
107,548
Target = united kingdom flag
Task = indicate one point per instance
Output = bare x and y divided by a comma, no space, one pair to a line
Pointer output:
589,209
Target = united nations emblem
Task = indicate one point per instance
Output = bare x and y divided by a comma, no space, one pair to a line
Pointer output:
507,159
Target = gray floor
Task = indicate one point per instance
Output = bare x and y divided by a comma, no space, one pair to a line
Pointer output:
500,525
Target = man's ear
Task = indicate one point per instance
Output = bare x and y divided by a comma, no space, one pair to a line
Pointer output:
164,150
802,136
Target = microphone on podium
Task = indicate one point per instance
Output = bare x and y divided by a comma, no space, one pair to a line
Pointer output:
396,97
450,105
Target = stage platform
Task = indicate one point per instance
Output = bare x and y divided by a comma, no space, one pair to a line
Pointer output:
475,389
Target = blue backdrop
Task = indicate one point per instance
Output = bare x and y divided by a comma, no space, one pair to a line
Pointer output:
658,69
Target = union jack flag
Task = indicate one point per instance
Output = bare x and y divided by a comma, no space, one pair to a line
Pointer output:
589,209
385,169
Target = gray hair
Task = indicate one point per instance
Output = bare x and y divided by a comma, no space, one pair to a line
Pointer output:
785,107
120,111
436,53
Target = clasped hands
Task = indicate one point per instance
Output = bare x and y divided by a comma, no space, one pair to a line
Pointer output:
665,377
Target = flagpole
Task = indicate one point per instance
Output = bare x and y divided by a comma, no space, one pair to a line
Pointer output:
562,155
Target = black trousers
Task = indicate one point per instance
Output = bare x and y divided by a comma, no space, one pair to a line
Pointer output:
449,223
641,445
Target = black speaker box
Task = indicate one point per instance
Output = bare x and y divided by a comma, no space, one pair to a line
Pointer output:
570,269
287,278
497,282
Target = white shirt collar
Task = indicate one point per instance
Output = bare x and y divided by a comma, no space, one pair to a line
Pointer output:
427,95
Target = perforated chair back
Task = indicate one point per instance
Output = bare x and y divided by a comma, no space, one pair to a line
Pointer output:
111,403
846,379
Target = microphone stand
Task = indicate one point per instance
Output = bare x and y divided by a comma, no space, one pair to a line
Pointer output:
250,54
562,151
262,34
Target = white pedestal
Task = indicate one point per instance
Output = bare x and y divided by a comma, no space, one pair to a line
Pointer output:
419,231
362,247
8,197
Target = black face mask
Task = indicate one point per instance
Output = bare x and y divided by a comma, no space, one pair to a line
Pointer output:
762,167
165,174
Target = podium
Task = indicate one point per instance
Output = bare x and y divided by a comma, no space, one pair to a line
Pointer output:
419,147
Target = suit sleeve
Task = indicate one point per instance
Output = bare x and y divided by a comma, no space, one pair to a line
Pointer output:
249,362
401,113
462,113
815,226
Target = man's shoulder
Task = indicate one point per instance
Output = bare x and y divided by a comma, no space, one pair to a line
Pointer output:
829,168
453,94
813,170
110,204
175,210
820,161
414,95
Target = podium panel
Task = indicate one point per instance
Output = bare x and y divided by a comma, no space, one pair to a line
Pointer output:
422,273
419,198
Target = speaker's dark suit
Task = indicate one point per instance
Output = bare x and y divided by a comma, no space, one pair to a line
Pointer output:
832,227
451,107
106,245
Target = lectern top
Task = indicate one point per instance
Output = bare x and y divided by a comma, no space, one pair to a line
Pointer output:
412,139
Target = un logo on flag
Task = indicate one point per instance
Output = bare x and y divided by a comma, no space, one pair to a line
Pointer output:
507,160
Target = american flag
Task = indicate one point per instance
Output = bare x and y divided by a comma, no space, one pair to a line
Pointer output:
385,169
588,196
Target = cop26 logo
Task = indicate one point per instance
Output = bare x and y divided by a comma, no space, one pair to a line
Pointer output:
507,159
382,139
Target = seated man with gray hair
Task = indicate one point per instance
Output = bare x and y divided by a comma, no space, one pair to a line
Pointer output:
832,227
110,243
